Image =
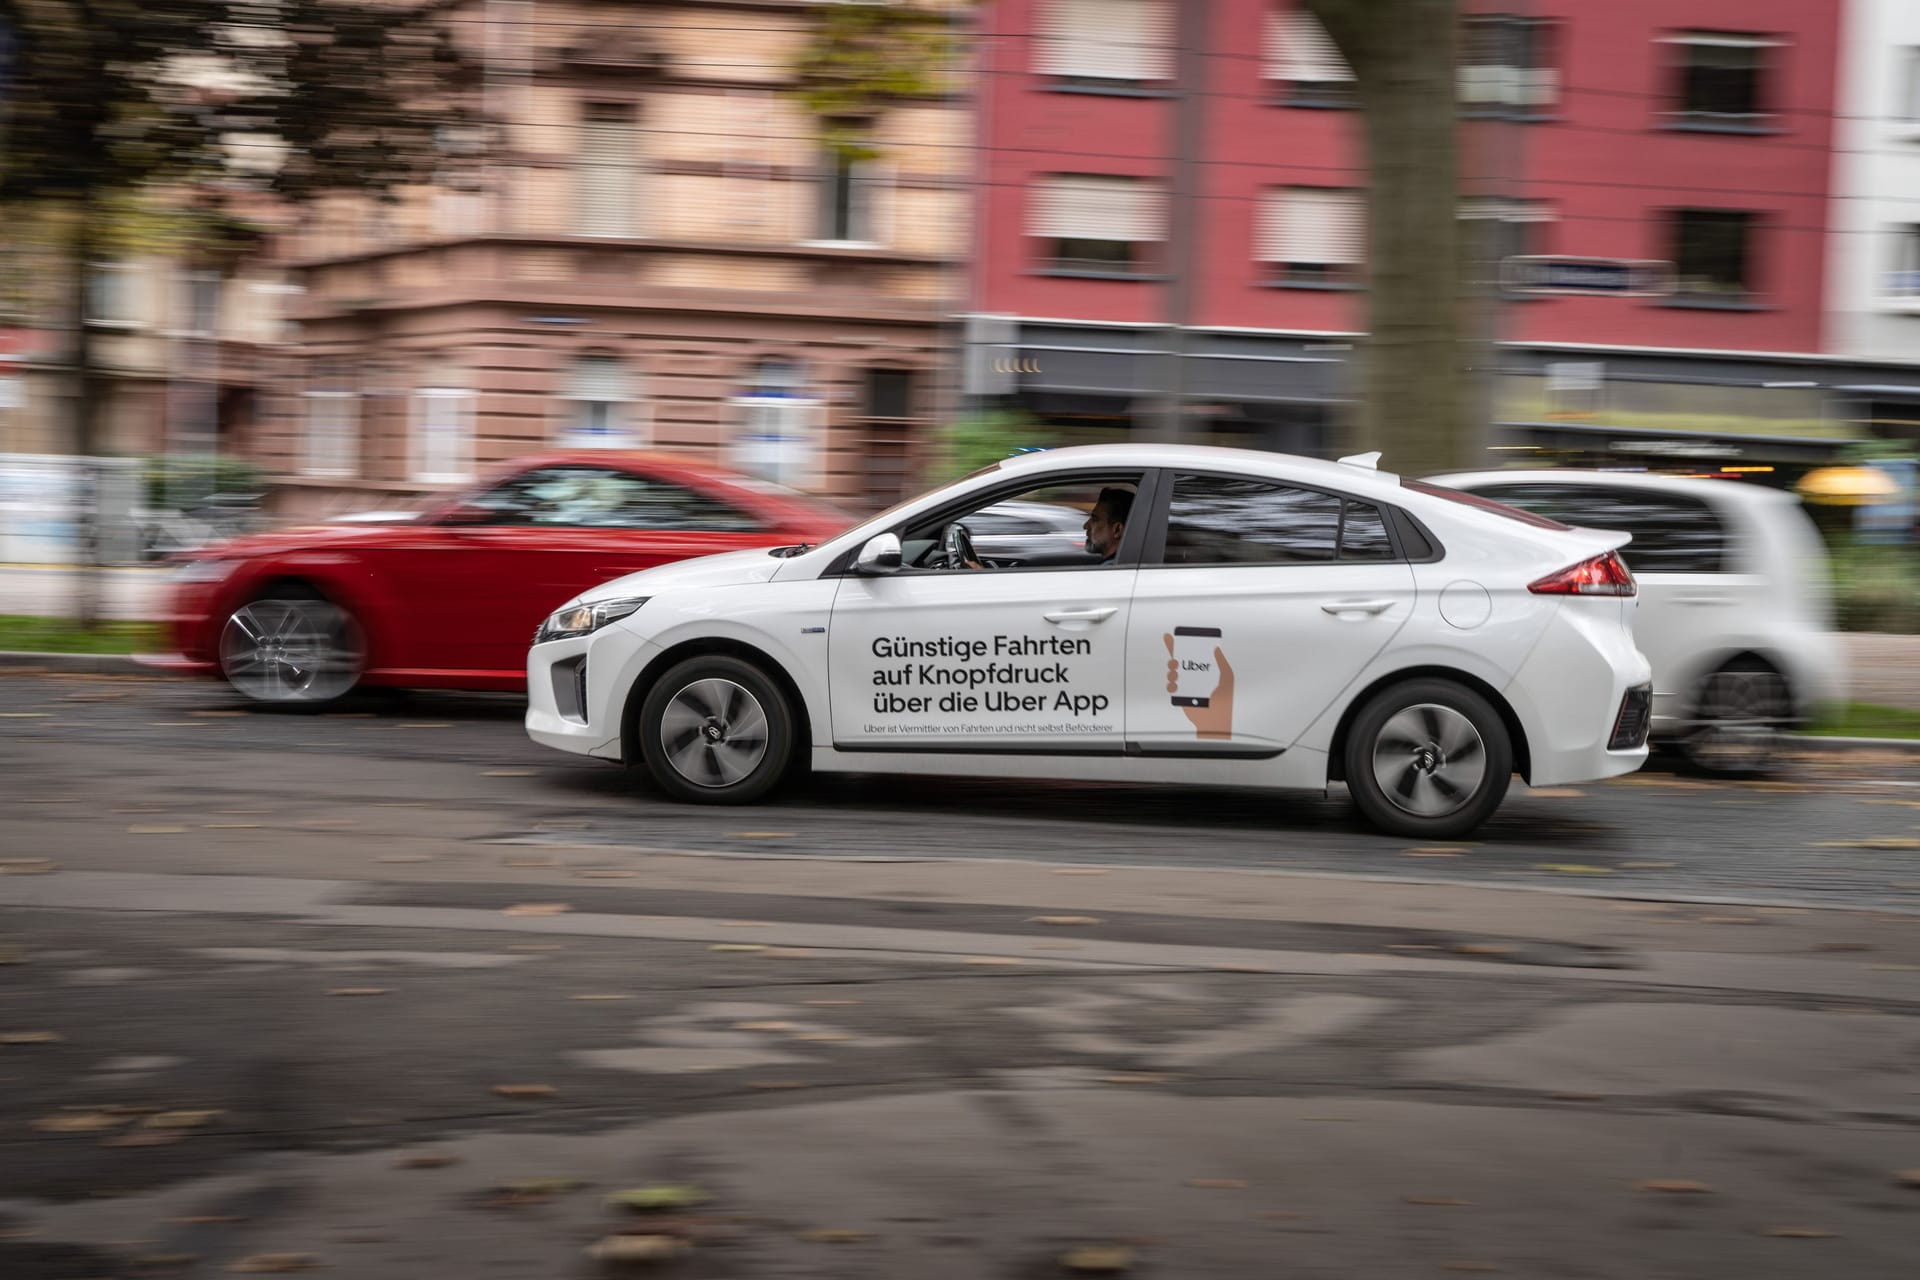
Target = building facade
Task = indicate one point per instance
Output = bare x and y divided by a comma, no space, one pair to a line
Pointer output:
1688,143
1874,280
654,250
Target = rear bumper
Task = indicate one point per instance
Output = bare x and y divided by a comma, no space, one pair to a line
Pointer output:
1569,693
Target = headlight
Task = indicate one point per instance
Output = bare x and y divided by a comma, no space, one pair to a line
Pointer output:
204,570
585,619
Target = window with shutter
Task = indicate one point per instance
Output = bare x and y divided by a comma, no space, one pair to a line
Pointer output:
443,434
1722,81
1304,63
601,405
1313,237
1105,43
1507,66
333,421
1097,224
608,170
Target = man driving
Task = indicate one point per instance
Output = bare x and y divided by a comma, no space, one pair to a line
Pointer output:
1107,522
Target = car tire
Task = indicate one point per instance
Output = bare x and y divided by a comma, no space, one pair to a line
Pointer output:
1429,759
716,730
293,648
1738,715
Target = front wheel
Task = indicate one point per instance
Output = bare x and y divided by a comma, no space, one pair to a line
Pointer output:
1429,759
716,730
293,648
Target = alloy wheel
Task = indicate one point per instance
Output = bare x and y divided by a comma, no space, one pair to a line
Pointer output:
291,651
714,732
1429,760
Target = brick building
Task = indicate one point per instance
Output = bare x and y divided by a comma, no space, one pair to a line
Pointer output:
654,251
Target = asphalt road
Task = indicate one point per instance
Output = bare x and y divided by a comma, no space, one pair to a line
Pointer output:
1840,830
396,994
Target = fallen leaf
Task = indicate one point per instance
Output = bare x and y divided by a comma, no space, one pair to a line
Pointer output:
274,1263
638,1250
991,960
79,1122
232,826
1573,868
605,873
1217,1184
508,773
1079,871
404,857
736,946
761,835
1908,1178
823,1037
1648,866
745,924
833,1235
786,953
24,715
537,946
1098,1260
610,995
1871,842
26,866
1674,1186
156,831
828,1004
1063,920
182,1119
425,1162
359,991
145,1138
1843,946
776,1084
31,1037
1556,793
426,724
525,1091
766,1026
217,714
1055,946
545,1186
1726,920
1798,1233
537,909
1482,949
1241,968
1135,1077
1439,1202
659,1198
1433,853
529,863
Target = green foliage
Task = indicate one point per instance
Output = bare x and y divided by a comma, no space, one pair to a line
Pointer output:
163,478
1876,588
985,438
863,56
63,635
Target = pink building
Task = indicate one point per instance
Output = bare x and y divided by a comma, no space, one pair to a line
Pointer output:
1692,136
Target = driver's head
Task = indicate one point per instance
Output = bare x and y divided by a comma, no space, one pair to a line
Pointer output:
1107,523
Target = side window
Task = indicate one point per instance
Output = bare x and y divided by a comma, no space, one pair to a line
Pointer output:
1221,520
1672,532
1076,522
604,498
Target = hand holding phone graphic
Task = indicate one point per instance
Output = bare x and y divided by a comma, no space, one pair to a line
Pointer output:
1200,680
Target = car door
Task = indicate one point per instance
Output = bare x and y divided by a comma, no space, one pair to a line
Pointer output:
1258,605
1001,661
1693,604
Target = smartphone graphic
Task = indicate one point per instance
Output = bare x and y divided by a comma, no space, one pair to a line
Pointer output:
1195,669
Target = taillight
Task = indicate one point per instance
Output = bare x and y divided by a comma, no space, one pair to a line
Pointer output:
1604,575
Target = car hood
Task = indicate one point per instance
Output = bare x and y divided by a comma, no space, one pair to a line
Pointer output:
728,569
322,537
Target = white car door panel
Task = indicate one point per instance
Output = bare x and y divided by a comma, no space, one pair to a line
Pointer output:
980,660
1289,638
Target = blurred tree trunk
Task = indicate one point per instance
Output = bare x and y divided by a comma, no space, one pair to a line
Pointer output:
1416,398
86,241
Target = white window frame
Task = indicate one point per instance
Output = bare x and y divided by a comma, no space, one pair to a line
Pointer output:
870,202
455,465
1098,43
620,220
630,423
1765,90
1313,226
1302,59
1902,283
332,431
126,277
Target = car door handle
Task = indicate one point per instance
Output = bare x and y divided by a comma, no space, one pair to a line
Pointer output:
1082,615
1370,607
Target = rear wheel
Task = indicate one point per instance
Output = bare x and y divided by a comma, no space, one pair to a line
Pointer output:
1429,759
1738,716
293,648
716,730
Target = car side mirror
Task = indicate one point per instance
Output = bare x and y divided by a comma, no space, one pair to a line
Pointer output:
881,555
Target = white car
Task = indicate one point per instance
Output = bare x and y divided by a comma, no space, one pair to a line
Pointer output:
1265,621
1735,607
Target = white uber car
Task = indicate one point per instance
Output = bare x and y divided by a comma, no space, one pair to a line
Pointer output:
1735,610
1263,620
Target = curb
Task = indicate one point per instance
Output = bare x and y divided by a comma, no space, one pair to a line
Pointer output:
1813,742
75,663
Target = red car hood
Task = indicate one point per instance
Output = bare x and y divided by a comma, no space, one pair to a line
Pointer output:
319,537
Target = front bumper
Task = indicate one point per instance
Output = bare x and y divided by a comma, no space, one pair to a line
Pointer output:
577,690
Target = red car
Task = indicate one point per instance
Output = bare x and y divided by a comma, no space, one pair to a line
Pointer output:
449,598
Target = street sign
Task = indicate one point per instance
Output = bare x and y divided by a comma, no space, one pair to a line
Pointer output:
1600,277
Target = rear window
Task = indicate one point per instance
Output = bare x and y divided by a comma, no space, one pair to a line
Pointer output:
1483,504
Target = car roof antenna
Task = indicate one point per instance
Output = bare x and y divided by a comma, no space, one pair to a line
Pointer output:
1371,461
